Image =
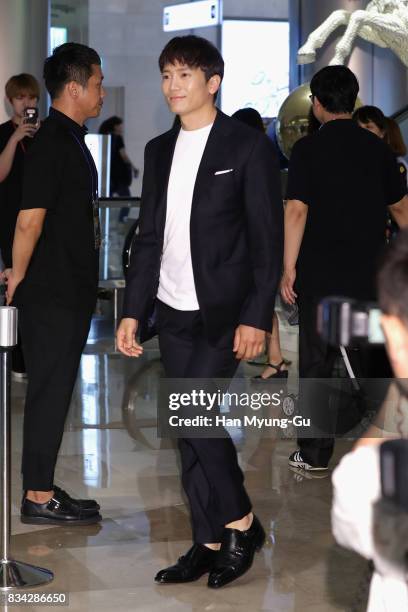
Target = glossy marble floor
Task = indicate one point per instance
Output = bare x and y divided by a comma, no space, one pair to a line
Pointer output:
111,452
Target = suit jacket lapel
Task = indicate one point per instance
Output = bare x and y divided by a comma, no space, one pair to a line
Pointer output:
163,167
213,156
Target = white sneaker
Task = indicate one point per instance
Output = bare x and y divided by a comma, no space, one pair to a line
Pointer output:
300,475
296,460
19,376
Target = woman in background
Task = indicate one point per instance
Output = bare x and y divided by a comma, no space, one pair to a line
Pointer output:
16,135
398,146
373,119
122,169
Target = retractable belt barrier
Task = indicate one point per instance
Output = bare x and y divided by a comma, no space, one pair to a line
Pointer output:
13,574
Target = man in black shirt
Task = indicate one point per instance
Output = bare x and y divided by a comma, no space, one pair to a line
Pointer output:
54,276
22,92
342,180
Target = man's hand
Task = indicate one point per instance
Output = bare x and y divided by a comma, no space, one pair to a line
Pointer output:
3,275
248,342
12,281
126,338
25,129
287,283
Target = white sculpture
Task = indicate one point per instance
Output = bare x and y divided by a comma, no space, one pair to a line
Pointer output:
383,22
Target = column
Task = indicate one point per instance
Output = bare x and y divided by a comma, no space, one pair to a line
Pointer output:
24,28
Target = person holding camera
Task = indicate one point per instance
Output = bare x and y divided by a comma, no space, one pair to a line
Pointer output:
361,519
342,182
16,135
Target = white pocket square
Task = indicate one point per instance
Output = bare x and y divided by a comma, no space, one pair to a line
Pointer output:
223,171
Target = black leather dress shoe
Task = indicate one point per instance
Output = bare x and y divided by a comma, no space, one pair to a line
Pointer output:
85,505
195,563
236,554
57,511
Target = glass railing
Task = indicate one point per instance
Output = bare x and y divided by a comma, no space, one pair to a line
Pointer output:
114,233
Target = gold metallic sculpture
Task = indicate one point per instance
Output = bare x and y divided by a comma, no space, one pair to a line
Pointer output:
293,118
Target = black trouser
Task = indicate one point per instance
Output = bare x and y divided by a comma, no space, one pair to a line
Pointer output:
17,357
211,476
53,341
316,360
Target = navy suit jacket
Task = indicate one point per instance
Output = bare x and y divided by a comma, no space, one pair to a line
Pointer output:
236,229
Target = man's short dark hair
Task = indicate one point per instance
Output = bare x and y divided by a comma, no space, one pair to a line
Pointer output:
336,88
69,62
195,52
392,279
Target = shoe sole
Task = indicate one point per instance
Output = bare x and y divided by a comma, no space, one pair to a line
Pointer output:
258,548
181,581
41,520
307,467
309,475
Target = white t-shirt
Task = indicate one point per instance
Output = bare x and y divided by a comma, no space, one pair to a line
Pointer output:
176,286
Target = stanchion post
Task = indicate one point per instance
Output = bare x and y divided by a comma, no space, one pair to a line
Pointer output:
13,574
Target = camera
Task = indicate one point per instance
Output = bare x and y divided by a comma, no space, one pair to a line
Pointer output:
31,115
394,473
347,322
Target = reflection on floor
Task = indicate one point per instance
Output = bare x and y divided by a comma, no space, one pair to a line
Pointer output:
111,452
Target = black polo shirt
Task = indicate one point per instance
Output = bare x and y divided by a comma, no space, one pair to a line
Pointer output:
10,191
59,175
347,177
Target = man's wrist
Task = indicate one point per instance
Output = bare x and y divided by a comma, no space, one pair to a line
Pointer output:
259,329
17,276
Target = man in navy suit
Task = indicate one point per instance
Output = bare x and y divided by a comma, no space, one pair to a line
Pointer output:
209,256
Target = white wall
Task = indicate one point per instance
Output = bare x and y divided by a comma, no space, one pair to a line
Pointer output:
258,9
128,34
23,44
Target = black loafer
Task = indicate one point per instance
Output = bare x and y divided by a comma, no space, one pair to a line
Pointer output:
57,511
86,505
236,554
195,563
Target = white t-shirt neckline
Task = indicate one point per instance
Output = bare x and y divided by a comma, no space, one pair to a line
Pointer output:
176,285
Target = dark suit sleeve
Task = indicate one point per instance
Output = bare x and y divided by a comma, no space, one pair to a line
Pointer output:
142,276
264,212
